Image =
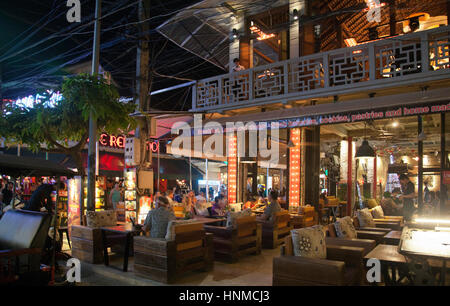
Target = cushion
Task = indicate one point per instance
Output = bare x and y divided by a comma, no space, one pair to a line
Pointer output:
377,212
101,218
170,234
372,203
365,218
232,216
344,228
309,242
321,228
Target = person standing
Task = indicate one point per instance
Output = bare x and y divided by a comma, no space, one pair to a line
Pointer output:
8,193
115,196
408,196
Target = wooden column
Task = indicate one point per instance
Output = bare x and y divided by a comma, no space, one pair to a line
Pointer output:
392,18
374,178
420,172
443,160
349,175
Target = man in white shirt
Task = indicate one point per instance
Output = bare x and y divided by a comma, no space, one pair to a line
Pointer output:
237,66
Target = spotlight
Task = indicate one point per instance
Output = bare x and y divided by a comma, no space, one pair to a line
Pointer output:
414,23
295,14
235,34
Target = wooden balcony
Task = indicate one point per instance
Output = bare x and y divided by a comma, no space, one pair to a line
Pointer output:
398,61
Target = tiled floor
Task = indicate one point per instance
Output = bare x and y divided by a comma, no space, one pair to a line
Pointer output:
253,270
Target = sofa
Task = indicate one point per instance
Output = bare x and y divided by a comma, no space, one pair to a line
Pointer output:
164,260
343,266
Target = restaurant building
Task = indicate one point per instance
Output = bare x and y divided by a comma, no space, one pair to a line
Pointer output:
359,90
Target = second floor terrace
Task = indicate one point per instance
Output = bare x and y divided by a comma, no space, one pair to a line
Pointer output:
411,59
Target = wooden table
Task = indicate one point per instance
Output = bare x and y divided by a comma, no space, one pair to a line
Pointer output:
390,259
119,232
393,238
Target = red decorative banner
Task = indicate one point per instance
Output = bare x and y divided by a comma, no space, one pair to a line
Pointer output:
232,170
294,168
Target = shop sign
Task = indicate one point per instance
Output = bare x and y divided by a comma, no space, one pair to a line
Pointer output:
232,169
294,168
367,115
74,202
118,142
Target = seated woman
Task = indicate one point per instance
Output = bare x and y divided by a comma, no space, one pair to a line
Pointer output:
219,206
158,219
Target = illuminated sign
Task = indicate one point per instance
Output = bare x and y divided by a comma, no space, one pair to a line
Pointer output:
232,170
118,142
294,168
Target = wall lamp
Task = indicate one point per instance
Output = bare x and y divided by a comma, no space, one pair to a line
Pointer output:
295,14
235,34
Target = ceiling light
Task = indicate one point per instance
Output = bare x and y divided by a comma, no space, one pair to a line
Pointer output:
395,124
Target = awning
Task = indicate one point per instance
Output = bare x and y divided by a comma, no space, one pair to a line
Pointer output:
28,166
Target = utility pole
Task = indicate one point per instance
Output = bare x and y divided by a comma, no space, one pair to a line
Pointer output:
142,79
92,120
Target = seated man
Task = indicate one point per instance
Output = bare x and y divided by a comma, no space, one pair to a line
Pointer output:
272,208
158,218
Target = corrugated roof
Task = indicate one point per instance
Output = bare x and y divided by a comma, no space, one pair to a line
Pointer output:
205,28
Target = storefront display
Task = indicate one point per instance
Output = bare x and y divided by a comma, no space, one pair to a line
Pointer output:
130,194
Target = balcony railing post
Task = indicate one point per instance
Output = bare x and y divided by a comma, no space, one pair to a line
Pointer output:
220,90
372,62
250,85
286,77
425,52
194,97
326,71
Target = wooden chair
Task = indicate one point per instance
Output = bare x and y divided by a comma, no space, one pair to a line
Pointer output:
165,260
87,244
232,244
273,233
343,266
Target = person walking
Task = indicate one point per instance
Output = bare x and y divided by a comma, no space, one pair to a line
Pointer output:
115,196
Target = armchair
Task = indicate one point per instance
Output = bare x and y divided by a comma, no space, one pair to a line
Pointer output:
164,260
343,266
233,243
273,233
22,240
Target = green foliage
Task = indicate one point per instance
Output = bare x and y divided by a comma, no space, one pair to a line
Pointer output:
51,128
